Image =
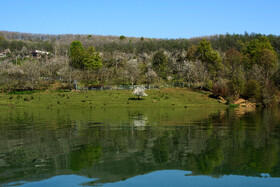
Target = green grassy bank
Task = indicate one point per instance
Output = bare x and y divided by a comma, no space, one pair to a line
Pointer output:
163,98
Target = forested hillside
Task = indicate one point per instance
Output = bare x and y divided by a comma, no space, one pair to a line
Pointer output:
230,66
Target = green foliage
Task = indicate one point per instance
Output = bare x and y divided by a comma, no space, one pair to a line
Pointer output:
191,53
268,59
233,59
122,37
255,48
204,50
26,92
77,54
159,62
276,78
91,59
208,56
235,88
2,38
84,59
60,91
208,85
270,95
252,90
233,105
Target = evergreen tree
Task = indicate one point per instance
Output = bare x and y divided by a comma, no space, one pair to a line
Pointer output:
77,54
159,62
91,59
208,56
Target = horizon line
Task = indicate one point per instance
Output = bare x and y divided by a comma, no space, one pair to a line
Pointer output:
202,36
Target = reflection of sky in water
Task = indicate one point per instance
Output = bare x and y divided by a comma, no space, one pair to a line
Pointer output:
61,180
179,178
164,178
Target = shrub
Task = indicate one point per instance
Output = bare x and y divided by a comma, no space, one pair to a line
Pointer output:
270,95
252,90
220,89
26,99
235,88
208,85
276,78
122,37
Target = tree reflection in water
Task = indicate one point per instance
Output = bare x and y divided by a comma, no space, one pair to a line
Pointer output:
134,142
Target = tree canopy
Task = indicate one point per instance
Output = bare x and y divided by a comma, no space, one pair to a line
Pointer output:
84,59
159,62
77,54
256,48
207,55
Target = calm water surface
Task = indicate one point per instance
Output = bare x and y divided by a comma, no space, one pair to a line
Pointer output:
139,147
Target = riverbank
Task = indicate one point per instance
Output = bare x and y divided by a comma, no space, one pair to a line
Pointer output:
163,98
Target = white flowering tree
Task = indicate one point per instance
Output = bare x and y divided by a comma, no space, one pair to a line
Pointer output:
139,91
132,71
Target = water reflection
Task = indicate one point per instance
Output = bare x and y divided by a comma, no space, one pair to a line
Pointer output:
114,145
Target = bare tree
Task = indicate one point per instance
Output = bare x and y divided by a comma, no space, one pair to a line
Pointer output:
132,71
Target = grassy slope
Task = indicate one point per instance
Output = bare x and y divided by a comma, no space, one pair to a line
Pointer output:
170,98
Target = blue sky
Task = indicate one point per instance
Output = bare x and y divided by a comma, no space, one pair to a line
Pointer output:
148,18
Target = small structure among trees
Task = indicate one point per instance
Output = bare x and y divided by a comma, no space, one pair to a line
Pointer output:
3,54
39,54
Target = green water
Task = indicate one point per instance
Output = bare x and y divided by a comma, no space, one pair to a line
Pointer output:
139,147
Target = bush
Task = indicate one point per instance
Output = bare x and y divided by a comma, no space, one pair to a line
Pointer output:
208,85
235,88
26,99
276,78
122,37
252,90
270,95
220,89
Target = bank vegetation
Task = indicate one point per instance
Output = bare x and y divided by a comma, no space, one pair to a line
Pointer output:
230,66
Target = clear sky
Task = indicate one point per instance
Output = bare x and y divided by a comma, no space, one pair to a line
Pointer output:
148,18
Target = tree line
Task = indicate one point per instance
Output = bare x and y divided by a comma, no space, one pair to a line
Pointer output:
57,43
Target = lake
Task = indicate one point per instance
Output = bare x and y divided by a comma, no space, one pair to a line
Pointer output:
139,147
